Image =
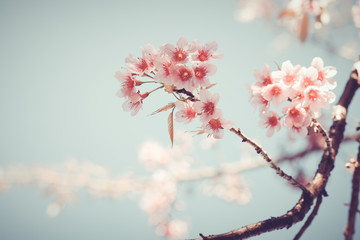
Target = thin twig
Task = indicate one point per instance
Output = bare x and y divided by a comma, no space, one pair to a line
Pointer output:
310,149
325,135
260,151
147,75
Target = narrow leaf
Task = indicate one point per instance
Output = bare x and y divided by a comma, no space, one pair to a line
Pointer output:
171,126
210,86
164,108
303,28
287,13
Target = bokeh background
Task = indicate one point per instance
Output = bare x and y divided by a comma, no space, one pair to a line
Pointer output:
58,101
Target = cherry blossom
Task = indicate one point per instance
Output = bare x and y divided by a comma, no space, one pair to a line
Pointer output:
263,77
134,103
317,98
307,77
296,115
144,65
287,74
201,73
128,83
216,125
301,130
271,121
325,74
186,112
303,91
182,77
150,53
206,107
276,92
257,100
163,65
180,53
182,70
204,53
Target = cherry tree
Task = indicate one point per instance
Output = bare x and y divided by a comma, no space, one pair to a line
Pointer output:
287,96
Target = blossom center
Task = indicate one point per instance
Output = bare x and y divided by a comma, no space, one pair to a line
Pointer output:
294,113
275,91
307,82
166,68
179,55
190,113
288,79
142,65
320,76
267,80
215,124
313,95
185,74
200,72
209,108
272,121
129,83
203,56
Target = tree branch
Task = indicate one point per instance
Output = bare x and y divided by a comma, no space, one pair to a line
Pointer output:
260,151
349,230
318,184
310,218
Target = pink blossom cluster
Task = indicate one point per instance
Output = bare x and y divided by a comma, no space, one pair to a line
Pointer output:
301,92
182,70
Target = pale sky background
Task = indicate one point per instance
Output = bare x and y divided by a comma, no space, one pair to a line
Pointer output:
57,100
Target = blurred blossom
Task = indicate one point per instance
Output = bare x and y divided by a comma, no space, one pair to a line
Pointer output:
318,19
249,10
175,229
229,187
159,196
62,182
158,193
349,50
153,155
53,209
356,14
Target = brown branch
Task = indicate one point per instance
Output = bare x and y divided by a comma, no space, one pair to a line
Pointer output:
317,185
310,149
350,229
260,151
310,218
